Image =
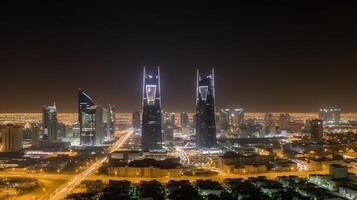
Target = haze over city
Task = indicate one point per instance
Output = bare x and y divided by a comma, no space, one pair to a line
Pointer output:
178,100
271,56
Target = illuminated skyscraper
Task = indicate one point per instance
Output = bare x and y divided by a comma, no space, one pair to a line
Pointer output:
184,119
87,119
316,129
284,119
224,119
11,138
205,111
268,123
136,119
35,136
101,124
151,120
111,121
49,123
238,116
330,115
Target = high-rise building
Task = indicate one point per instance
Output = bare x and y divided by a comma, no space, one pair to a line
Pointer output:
11,138
61,130
284,119
87,119
224,119
136,119
151,116
101,124
49,123
169,126
185,121
268,123
96,122
35,136
111,121
330,115
316,130
194,121
238,117
205,111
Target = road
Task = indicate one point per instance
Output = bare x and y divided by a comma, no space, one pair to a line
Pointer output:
219,178
66,188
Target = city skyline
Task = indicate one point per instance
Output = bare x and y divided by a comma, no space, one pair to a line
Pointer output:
178,100
267,56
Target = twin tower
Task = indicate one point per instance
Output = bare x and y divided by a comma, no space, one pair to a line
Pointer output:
205,123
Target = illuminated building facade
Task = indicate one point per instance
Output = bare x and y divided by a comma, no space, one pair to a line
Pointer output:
184,119
49,123
101,124
35,136
284,120
111,121
151,116
87,119
238,116
224,119
268,123
205,111
330,115
316,129
136,121
11,138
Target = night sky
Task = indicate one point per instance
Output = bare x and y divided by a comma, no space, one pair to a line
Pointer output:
272,56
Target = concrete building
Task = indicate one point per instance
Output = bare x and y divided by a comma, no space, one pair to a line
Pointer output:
11,138
284,120
316,130
35,136
136,121
330,115
49,124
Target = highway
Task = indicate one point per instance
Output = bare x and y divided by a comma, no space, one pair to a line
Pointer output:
219,178
65,189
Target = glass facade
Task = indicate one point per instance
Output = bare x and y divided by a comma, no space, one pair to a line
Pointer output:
151,116
205,111
49,124
87,119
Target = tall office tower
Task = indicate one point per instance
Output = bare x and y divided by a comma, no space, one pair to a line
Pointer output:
194,121
11,138
111,121
35,136
171,120
61,130
169,126
330,115
136,120
151,117
268,123
284,119
49,123
238,117
184,119
101,124
224,119
337,115
316,130
205,111
87,119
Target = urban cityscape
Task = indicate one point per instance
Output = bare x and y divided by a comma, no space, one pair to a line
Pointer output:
209,149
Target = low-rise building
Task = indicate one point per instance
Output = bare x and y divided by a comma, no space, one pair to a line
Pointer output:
146,168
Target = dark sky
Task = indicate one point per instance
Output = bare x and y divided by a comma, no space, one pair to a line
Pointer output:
272,56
